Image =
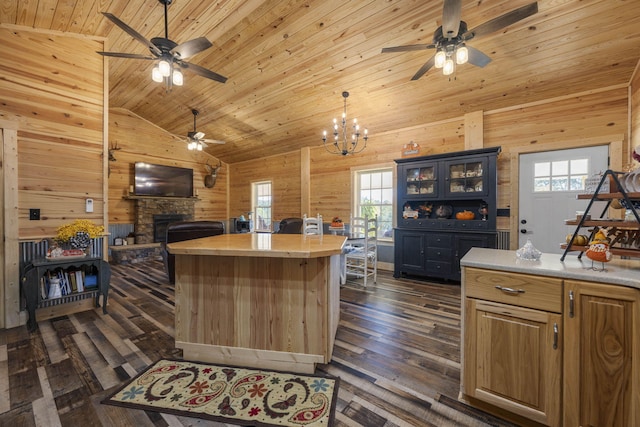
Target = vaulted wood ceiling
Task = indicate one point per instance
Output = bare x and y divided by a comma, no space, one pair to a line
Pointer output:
288,61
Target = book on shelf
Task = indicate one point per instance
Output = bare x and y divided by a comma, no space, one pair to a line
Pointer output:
79,280
44,292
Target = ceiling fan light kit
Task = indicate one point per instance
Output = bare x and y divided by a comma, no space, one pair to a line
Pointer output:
450,38
344,145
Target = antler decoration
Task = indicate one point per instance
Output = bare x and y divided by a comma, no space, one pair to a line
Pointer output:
210,180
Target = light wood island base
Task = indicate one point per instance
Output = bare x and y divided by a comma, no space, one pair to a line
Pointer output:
258,300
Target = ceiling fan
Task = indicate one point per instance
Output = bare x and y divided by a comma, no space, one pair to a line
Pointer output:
450,38
166,49
195,139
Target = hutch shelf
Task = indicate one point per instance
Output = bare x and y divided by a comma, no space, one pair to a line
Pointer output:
433,192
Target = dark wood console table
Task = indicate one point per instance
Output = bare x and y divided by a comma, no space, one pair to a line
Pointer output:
36,271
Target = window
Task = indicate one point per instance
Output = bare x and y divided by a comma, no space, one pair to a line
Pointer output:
374,197
563,175
261,201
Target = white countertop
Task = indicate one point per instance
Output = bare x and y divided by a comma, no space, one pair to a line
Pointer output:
624,272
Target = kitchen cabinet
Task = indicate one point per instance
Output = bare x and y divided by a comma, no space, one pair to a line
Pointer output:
601,355
429,240
560,348
512,343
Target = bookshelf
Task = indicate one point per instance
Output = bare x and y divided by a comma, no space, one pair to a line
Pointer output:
48,283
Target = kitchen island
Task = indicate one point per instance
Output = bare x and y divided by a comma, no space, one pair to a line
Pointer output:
549,342
258,300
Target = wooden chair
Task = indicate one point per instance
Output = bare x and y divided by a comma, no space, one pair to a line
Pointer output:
312,226
361,251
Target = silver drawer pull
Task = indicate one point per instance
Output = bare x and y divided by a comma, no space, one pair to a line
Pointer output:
510,290
555,336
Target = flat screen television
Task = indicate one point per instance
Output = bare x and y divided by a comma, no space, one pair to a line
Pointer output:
163,181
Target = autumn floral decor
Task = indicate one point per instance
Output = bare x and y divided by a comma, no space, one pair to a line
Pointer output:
74,238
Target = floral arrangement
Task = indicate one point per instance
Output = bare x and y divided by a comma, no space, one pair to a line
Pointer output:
78,234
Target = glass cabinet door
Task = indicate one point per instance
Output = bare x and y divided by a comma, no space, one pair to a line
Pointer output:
466,177
421,181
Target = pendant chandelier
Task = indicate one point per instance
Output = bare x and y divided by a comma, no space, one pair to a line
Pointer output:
341,144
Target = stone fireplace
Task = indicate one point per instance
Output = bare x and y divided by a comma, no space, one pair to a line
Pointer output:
153,214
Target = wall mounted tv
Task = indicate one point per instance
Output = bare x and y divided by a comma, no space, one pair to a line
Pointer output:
163,181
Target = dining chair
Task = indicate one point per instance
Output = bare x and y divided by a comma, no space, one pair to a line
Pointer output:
312,226
361,250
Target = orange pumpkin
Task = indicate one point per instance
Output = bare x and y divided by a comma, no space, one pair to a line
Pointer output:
465,215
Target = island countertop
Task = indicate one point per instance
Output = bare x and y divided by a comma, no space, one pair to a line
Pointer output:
624,272
261,245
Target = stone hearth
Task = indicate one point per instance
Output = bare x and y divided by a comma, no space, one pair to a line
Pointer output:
147,207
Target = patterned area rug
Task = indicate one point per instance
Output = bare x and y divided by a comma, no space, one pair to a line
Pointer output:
231,395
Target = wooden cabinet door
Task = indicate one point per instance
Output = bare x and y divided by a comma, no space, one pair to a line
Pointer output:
513,359
601,366
409,252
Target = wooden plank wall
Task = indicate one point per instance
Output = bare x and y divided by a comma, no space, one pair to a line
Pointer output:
138,140
601,113
283,171
635,112
59,102
56,102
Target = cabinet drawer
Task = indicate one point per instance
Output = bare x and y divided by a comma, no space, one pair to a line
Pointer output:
537,292
439,240
472,225
439,268
438,254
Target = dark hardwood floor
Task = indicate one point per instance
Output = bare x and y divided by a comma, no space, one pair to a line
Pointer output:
397,353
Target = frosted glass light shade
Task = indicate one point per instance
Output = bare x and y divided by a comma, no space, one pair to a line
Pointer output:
155,75
440,58
462,55
165,68
448,67
178,78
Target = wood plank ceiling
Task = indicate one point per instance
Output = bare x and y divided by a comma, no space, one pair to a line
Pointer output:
288,61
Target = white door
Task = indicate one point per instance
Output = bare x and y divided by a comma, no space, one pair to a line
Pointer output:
549,184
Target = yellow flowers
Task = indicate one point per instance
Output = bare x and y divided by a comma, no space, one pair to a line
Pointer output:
67,232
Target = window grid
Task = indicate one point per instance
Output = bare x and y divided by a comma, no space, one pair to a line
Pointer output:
374,191
562,175
262,205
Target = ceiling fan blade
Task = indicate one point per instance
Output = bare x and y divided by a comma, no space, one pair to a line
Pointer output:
477,58
213,141
408,48
502,21
424,68
133,33
188,49
201,71
125,55
198,135
451,12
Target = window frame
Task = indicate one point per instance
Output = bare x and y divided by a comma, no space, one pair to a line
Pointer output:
356,173
255,206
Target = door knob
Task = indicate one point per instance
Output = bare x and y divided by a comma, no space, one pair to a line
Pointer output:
524,221
523,231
